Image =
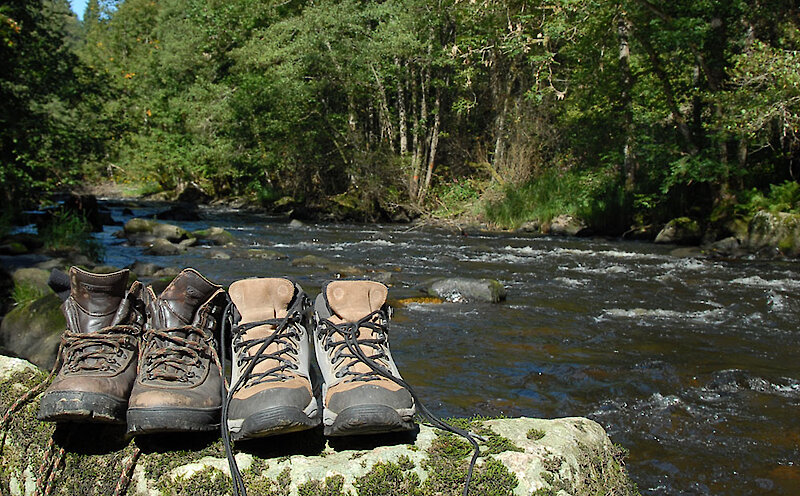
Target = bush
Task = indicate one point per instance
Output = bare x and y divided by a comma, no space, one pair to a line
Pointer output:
781,198
68,231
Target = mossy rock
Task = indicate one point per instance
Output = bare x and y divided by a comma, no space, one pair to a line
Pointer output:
214,235
680,231
572,454
139,229
33,330
779,231
32,277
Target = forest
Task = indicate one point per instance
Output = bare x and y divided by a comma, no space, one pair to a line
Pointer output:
623,112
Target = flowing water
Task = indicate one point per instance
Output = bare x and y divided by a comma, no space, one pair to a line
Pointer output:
692,365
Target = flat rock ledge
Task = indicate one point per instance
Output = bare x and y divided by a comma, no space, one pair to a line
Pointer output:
520,456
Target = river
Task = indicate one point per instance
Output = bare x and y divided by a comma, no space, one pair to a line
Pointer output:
693,365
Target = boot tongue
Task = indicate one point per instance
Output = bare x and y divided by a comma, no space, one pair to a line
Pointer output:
99,295
261,299
179,302
353,300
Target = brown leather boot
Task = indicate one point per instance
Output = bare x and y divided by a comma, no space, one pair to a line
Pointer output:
271,390
352,348
99,350
178,387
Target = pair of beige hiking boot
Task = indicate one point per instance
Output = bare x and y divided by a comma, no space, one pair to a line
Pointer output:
131,356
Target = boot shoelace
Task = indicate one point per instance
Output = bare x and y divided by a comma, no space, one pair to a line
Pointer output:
285,336
377,328
99,350
172,359
284,328
350,331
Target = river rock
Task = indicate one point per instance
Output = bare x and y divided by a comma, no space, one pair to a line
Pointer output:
137,230
680,231
294,223
32,277
568,225
218,255
180,211
463,290
214,235
775,231
163,247
520,456
33,330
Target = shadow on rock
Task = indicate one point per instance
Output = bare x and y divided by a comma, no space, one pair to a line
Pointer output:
91,439
368,442
306,443
176,441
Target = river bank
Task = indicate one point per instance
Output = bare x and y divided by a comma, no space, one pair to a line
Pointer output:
751,233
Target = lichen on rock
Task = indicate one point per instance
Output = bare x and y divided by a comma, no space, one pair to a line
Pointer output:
572,455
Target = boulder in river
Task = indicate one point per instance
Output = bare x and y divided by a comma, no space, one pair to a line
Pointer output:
137,230
680,231
775,231
463,290
214,235
568,225
163,247
33,330
520,456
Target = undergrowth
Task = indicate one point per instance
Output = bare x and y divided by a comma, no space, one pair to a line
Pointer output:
68,231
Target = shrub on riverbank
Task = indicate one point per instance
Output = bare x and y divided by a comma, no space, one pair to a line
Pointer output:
69,231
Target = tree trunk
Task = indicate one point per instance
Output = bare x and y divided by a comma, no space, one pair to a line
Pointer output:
629,166
401,114
387,129
434,140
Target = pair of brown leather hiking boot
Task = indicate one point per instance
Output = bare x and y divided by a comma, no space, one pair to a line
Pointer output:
282,345
150,361
136,357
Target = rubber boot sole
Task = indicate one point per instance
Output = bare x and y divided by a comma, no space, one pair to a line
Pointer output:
78,406
165,419
368,419
274,421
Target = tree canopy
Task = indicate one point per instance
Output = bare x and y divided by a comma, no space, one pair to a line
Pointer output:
623,111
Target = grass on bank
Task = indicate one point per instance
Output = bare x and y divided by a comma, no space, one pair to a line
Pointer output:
69,231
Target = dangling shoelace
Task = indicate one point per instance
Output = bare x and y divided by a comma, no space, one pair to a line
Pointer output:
284,329
350,331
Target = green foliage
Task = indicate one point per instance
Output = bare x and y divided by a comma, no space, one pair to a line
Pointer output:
68,231
781,198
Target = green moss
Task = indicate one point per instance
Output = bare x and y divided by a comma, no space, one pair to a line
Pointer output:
25,437
262,486
602,472
208,482
389,479
535,434
331,487
448,460
25,293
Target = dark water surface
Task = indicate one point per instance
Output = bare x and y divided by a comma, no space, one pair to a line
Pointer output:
692,365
